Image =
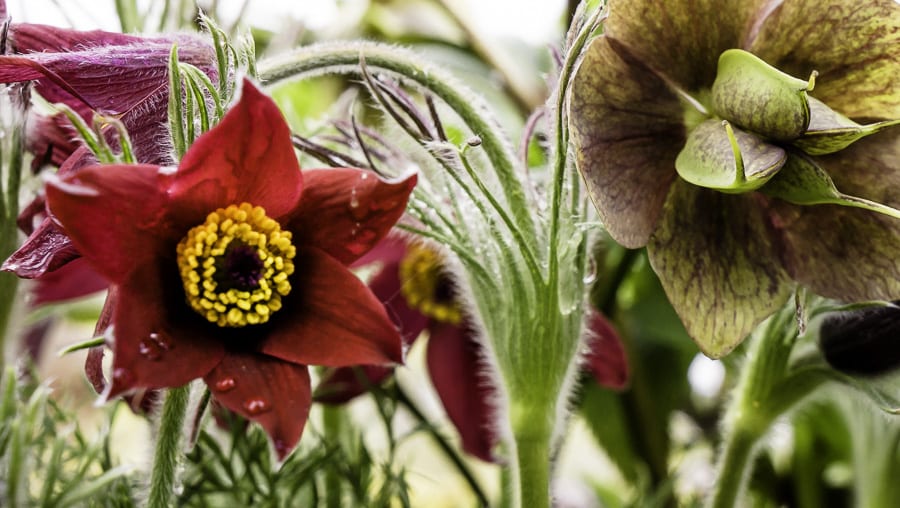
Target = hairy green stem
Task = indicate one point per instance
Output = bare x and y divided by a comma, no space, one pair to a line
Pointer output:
9,207
748,417
345,58
531,474
168,448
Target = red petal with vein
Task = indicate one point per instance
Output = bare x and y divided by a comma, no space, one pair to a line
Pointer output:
248,157
158,341
331,318
74,280
268,391
115,216
454,363
606,360
345,212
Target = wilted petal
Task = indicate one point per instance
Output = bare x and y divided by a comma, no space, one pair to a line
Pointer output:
454,364
247,157
331,318
719,156
115,216
682,40
627,128
715,260
852,45
158,342
47,248
606,359
345,212
268,391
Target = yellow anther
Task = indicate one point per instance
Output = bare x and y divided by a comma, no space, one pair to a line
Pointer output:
425,286
235,266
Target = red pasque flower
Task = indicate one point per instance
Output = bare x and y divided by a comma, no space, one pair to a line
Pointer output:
125,76
233,267
414,286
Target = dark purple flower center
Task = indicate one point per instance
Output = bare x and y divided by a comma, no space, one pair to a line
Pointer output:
240,268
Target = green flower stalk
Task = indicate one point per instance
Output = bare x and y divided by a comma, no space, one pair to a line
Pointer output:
750,145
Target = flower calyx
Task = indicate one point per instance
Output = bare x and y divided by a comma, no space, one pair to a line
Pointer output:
235,266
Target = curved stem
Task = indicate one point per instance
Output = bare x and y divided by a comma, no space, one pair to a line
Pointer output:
325,58
444,445
733,468
168,448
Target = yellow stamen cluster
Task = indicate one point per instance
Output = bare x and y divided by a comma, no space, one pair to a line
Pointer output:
203,255
424,284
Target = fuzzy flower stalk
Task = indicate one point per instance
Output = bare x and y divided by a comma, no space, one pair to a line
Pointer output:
522,274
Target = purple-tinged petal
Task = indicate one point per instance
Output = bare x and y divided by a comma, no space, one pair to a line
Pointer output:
345,212
247,157
455,365
852,45
116,216
331,318
158,341
684,39
268,391
715,258
606,359
386,286
627,128
390,250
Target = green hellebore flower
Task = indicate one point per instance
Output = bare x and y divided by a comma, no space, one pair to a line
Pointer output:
723,135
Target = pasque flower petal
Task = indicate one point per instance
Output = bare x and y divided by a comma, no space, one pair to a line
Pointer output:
345,212
247,157
73,280
331,318
606,359
718,265
852,45
627,128
116,215
455,365
271,392
158,342
46,249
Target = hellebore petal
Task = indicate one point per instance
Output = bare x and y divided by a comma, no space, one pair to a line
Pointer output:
830,131
268,391
852,46
316,326
682,40
454,357
115,215
247,157
627,128
606,359
156,345
718,156
802,182
760,98
719,268
345,212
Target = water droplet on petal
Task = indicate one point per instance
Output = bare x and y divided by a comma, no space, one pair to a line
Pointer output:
150,350
354,201
162,341
122,376
364,176
225,384
256,406
281,448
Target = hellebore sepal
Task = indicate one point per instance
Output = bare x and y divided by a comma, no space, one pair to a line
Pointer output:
646,116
